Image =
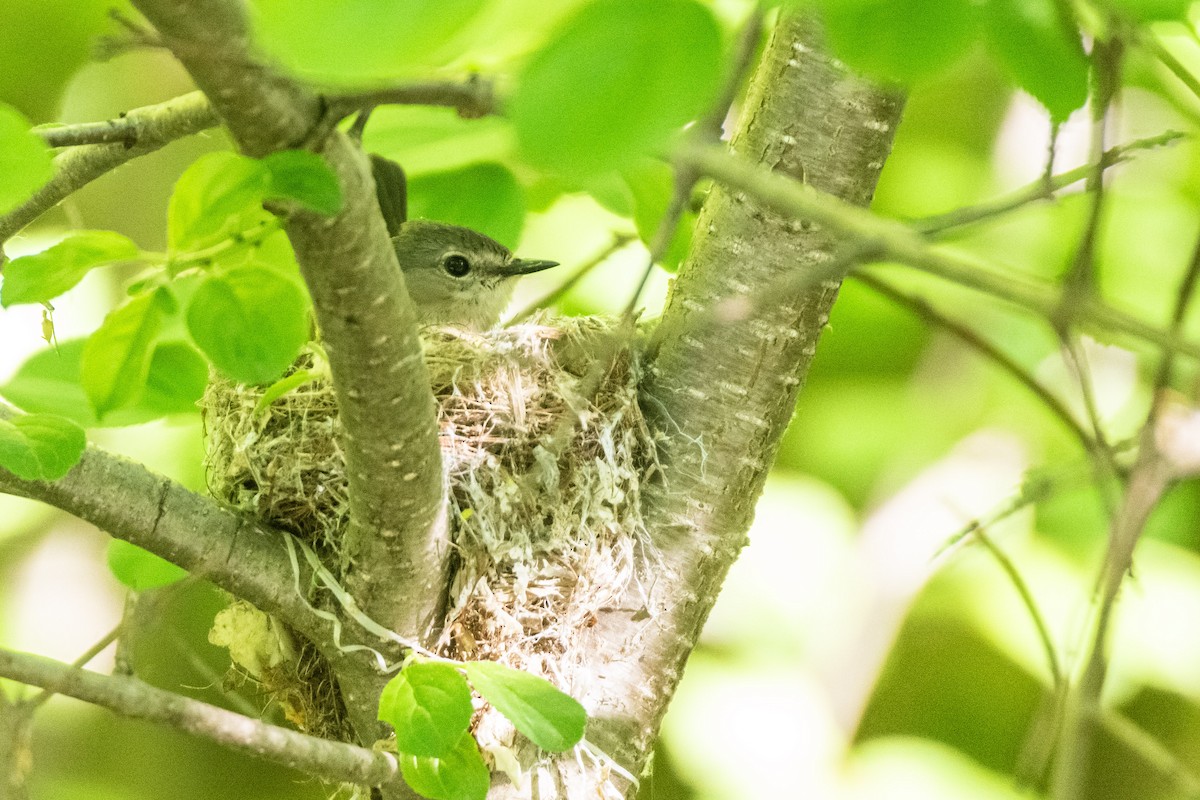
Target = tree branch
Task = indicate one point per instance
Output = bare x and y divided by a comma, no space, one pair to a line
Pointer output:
721,395
897,242
149,128
472,98
129,697
132,503
1041,189
397,543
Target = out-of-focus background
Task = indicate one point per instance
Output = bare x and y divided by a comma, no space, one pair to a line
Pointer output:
850,655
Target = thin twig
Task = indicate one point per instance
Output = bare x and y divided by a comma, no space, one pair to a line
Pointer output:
52,689
664,234
157,126
100,147
1106,463
618,241
969,337
899,243
1152,45
1148,482
1039,620
1183,299
1041,189
472,98
133,699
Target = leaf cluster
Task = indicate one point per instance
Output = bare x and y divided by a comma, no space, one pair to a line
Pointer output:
429,706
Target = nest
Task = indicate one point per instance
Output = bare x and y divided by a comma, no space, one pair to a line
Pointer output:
544,449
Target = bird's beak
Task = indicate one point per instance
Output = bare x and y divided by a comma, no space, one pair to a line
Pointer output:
524,266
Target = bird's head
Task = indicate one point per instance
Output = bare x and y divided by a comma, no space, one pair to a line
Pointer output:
457,276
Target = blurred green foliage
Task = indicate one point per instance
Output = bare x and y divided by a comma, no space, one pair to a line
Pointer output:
598,90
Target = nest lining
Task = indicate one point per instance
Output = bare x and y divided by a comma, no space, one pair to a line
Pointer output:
544,448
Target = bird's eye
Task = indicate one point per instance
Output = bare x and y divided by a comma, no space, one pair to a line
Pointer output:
456,265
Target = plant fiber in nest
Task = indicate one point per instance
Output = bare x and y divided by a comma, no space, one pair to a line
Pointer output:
544,449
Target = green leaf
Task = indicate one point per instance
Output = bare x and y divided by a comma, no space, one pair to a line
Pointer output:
616,83
350,41
24,160
1045,59
900,40
49,382
43,276
652,185
176,381
459,775
40,447
483,197
250,321
116,358
1154,10
429,705
305,178
552,720
139,569
424,140
218,194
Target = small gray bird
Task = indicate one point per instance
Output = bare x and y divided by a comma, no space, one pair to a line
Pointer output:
457,276
454,275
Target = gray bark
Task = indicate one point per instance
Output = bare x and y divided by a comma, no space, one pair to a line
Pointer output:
721,395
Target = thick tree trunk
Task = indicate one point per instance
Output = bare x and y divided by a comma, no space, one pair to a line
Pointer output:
721,394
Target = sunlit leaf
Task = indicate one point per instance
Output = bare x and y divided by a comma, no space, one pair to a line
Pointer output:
424,140
429,706
552,720
483,197
305,178
43,276
1045,59
24,160
116,358
49,383
1154,10
218,194
250,321
40,447
899,40
141,570
356,40
615,83
459,775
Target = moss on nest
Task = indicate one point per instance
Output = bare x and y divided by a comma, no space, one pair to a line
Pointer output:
544,448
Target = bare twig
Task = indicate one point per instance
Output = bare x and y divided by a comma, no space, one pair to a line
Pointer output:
1147,40
335,761
1041,189
899,243
1053,663
1148,482
618,242
989,350
100,147
1183,299
472,98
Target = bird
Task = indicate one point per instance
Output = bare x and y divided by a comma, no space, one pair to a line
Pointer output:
457,276
454,275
